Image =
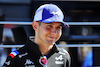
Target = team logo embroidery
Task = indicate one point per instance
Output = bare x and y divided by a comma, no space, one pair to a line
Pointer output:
43,60
56,13
28,62
59,60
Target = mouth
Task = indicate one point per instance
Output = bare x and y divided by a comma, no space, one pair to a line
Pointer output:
52,38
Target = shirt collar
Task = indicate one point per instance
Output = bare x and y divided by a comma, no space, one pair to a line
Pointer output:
33,49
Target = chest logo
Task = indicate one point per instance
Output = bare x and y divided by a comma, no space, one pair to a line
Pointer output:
59,60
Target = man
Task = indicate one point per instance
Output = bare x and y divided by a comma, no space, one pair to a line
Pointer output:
42,51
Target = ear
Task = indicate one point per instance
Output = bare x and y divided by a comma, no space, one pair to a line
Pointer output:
34,25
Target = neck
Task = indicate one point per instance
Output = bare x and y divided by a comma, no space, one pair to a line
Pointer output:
44,48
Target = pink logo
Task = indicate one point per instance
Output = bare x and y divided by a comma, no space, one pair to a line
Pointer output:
43,60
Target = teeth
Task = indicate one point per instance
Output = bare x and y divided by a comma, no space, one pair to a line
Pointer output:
52,36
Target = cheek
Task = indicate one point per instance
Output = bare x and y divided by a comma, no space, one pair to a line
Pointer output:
47,31
59,34
43,32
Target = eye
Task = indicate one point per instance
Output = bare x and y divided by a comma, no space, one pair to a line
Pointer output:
48,27
59,27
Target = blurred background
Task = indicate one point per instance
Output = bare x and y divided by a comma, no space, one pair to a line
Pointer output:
83,11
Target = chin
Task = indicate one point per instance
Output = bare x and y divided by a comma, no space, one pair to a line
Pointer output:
51,43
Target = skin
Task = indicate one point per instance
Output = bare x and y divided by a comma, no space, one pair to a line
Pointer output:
46,34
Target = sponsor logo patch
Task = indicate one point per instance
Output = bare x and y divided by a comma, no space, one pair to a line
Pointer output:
43,61
28,62
20,56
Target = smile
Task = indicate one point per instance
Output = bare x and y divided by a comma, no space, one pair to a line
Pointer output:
52,38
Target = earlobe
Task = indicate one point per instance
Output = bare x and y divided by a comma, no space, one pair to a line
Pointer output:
34,25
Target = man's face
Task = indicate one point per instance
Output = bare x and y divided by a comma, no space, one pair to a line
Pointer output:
49,33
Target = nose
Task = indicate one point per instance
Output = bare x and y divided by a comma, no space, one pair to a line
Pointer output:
53,31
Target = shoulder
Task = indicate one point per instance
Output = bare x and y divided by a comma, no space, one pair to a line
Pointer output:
63,51
18,53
